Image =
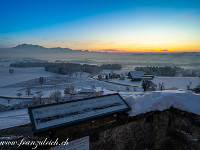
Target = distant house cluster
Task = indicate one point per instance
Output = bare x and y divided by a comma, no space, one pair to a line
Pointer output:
139,76
108,76
84,91
133,75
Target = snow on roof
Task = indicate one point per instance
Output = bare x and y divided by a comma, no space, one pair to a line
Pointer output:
146,77
88,91
152,101
137,74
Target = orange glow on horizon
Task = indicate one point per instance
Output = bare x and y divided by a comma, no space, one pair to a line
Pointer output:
131,49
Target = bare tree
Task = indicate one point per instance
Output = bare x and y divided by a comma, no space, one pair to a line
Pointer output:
28,91
34,100
70,72
127,88
148,85
9,101
189,85
72,90
11,71
67,91
76,74
93,86
19,94
39,97
41,80
55,96
145,85
161,86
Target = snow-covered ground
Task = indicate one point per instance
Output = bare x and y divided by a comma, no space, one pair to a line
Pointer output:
169,82
11,84
8,102
53,83
13,118
22,74
139,102
127,81
177,82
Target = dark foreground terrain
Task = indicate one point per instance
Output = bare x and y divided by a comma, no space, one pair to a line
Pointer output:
171,129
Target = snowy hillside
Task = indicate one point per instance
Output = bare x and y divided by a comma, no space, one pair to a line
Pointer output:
22,74
177,82
169,82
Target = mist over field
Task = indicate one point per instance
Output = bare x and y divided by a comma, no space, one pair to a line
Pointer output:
25,52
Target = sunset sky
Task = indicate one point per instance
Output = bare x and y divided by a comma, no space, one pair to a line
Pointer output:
102,25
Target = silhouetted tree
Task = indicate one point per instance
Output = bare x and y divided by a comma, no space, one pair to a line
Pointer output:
41,80
148,85
127,88
189,85
11,70
39,97
9,101
19,94
93,86
76,74
28,91
161,86
55,96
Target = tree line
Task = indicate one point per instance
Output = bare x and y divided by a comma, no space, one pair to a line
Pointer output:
167,71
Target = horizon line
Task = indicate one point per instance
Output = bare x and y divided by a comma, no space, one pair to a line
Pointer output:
115,51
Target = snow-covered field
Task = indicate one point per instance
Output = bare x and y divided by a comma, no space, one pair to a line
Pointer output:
169,82
8,102
178,82
53,82
126,82
13,118
11,84
22,74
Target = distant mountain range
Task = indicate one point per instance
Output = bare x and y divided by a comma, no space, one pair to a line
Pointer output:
28,46
38,47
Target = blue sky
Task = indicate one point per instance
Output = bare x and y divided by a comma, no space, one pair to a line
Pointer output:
135,25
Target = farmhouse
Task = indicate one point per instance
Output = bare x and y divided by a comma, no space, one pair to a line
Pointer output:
113,75
139,75
122,77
